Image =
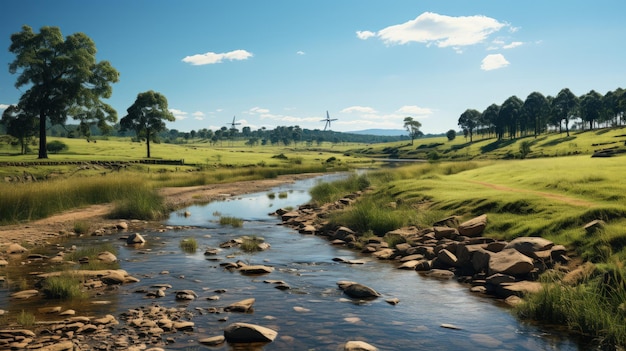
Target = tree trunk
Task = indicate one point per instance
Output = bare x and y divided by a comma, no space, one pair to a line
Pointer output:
43,152
148,142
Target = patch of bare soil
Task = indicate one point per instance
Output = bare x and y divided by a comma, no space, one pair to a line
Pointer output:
43,230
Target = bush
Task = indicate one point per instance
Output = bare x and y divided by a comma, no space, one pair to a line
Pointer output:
65,287
56,146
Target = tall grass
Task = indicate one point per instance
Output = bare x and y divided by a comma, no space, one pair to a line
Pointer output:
189,245
30,201
596,307
330,192
232,221
372,214
65,287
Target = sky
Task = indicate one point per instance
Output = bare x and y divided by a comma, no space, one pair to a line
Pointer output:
368,63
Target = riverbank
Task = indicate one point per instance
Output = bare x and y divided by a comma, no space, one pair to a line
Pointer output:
41,232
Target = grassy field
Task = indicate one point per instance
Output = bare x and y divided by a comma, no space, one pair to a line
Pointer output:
546,145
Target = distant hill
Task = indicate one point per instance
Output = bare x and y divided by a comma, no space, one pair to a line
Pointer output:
381,132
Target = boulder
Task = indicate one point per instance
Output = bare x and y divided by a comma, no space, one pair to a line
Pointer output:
384,254
360,291
528,245
135,239
445,233
518,288
342,232
359,346
443,274
248,333
452,222
447,258
474,226
510,261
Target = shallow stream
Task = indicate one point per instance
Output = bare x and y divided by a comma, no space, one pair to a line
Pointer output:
313,314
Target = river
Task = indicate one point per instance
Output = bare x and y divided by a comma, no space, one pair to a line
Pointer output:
313,314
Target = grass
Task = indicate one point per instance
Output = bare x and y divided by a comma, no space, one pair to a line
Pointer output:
91,252
251,244
81,227
64,287
26,319
330,192
232,221
189,245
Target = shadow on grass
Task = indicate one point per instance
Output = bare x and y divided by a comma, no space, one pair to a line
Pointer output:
496,145
460,146
558,141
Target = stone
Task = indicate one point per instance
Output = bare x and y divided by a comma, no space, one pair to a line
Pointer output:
213,341
135,239
256,269
66,345
3,262
594,226
447,258
114,278
51,309
359,346
393,301
518,288
439,274
473,227
409,265
183,325
360,291
106,257
384,254
248,333
16,249
423,265
24,294
499,278
122,225
445,232
511,262
528,245
240,306
187,295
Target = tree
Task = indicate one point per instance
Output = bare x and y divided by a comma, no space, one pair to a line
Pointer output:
63,79
147,116
468,121
56,146
413,127
20,125
490,118
535,107
451,134
509,114
591,107
564,105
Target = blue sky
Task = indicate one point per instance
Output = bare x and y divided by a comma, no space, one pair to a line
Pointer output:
369,63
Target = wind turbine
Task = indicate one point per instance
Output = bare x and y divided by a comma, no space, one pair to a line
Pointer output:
233,124
328,120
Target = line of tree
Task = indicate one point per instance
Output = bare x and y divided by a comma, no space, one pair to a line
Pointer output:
540,114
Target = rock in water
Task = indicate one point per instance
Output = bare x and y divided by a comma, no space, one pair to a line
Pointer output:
247,333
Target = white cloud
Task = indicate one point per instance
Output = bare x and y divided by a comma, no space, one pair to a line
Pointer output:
440,30
513,45
415,110
358,109
364,34
4,106
212,57
198,115
178,114
301,53
493,61
258,110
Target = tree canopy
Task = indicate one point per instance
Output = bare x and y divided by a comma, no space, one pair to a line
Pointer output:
63,79
147,116
413,127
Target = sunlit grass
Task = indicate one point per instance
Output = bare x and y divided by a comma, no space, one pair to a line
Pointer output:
189,245
232,221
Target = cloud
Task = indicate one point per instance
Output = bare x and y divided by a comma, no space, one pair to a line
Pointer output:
364,34
198,115
300,52
212,57
513,45
493,61
358,109
178,114
443,31
258,110
4,106
415,110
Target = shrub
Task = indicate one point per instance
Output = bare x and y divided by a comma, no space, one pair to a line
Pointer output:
56,146
81,227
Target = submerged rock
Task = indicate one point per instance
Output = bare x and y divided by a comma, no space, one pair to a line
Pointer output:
247,333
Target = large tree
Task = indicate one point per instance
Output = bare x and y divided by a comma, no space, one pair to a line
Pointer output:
63,79
510,112
490,119
413,127
469,121
564,106
147,116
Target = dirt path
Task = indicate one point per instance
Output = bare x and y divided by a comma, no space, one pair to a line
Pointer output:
568,200
43,230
